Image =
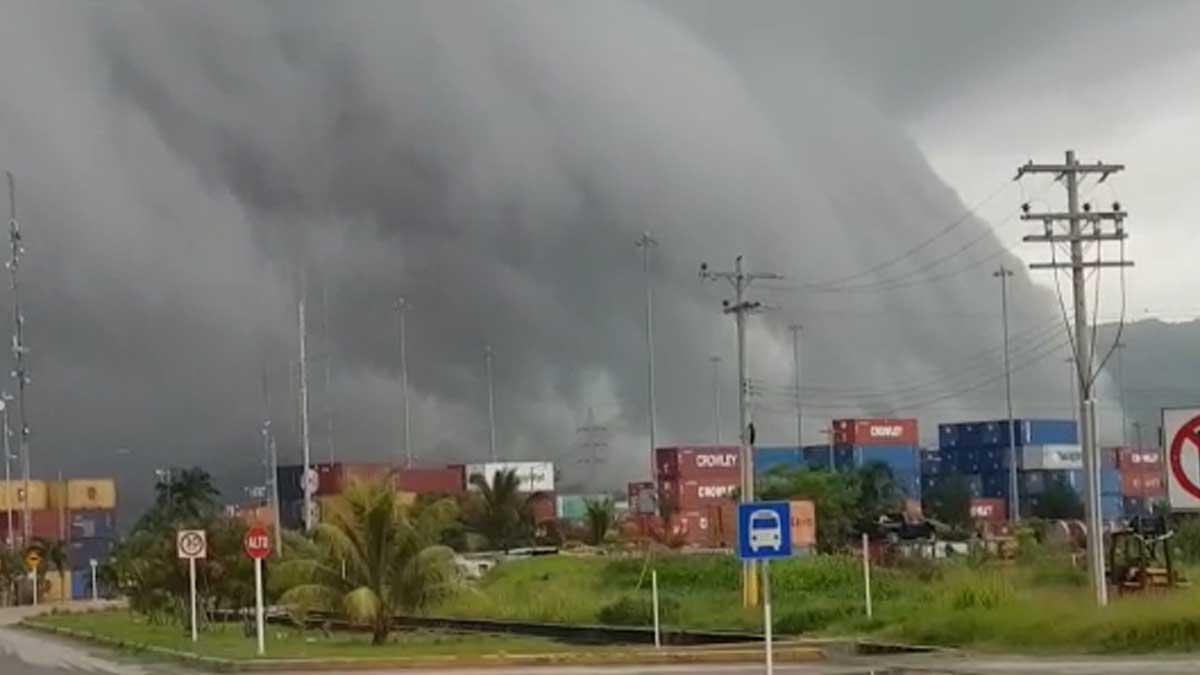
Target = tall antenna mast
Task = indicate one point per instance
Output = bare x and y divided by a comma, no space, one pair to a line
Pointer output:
18,345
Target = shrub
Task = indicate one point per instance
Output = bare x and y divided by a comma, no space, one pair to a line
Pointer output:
1187,539
638,610
814,617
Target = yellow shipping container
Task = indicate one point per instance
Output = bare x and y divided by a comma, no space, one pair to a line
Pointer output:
56,494
12,495
92,494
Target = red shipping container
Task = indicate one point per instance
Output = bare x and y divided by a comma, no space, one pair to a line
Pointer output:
698,462
450,480
46,524
1140,459
990,510
696,495
875,431
364,473
1143,484
542,506
329,479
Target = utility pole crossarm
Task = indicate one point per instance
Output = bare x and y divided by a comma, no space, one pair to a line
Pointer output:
1115,215
1104,169
1081,265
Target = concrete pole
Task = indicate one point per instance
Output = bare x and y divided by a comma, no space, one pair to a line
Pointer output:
304,439
1014,494
795,329
402,308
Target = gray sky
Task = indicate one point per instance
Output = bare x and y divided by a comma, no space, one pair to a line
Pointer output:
494,163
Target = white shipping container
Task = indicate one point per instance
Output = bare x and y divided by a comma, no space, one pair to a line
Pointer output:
534,476
1052,457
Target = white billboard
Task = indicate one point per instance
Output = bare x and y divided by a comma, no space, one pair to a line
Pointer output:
1181,436
1053,457
534,476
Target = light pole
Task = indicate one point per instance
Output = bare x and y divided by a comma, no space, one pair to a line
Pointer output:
1120,347
646,242
8,504
487,361
795,329
716,364
402,306
1014,499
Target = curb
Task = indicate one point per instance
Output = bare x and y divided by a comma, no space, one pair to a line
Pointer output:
730,654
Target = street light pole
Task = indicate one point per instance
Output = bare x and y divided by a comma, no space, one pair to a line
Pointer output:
795,329
402,307
716,363
8,505
488,355
646,242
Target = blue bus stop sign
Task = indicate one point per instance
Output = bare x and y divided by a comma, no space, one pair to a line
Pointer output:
764,531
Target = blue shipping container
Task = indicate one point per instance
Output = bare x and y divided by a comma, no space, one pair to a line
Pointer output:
909,484
1047,432
995,433
817,457
80,552
766,459
898,458
1110,482
1112,507
93,525
843,458
974,483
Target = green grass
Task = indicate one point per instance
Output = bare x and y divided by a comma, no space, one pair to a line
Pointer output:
227,642
1040,605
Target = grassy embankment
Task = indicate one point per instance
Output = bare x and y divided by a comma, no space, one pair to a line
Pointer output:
1041,605
228,642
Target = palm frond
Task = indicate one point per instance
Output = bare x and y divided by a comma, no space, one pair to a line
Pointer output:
312,597
362,605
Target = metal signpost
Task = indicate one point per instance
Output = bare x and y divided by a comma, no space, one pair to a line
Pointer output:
258,546
95,589
765,533
192,545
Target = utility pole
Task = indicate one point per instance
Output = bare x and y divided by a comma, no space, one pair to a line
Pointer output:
1014,495
740,308
1076,217
19,349
646,242
795,329
1072,375
271,460
402,306
306,479
1120,354
716,367
487,361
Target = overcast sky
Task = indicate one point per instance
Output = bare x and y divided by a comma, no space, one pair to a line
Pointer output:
494,162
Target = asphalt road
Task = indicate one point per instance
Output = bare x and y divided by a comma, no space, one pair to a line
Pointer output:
25,653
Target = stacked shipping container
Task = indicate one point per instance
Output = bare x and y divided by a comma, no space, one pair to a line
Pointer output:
691,481
333,478
1143,478
891,442
1047,454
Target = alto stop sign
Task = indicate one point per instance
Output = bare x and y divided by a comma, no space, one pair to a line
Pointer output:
257,543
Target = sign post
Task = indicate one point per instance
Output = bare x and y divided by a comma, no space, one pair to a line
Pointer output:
258,546
866,554
192,545
95,589
1181,433
765,533
654,593
33,559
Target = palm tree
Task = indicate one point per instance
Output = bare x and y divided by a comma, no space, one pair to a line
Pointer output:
54,553
392,561
501,513
600,517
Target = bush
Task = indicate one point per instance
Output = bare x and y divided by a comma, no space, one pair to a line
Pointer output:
638,610
1187,539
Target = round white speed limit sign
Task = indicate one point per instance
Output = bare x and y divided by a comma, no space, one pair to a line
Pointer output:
191,544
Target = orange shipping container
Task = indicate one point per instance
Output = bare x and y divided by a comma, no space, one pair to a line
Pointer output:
92,494
12,495
804,524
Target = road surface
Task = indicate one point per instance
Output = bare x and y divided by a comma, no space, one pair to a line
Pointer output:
26,653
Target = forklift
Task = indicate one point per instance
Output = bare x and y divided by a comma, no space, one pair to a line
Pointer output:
1139,557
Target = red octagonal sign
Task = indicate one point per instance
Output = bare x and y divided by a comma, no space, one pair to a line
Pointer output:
257,543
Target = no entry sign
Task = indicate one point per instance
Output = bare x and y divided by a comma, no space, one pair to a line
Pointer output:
1181,431
257,543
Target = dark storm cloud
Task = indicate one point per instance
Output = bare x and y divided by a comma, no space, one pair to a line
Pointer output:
493,164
